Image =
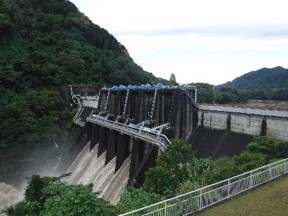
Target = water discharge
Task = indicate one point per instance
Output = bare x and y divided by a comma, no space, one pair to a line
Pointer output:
8,196
89,168
115,189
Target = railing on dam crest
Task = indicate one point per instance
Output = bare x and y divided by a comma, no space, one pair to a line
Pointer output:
149,135
202,198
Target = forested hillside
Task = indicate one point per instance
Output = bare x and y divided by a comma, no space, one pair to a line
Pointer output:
263,84
261,79
45,44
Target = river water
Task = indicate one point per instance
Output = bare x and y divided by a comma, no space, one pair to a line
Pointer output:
8,196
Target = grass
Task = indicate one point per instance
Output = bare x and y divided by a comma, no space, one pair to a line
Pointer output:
270,199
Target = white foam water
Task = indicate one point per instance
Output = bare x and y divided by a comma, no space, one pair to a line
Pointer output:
89,168
82,165
105,176
8,196
112,193
93,169
71,169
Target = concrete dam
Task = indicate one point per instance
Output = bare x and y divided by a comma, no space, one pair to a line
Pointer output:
121,131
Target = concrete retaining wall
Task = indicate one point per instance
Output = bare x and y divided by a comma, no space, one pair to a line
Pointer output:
247,124
90,101
215,120
277,128
271,123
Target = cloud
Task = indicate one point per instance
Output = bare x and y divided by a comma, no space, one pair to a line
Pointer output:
208,41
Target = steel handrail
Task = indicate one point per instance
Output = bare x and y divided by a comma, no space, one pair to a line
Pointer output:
148,136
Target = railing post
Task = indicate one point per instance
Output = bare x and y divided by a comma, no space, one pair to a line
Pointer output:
270,172
285,166
251,180
165,211
200,200
228,188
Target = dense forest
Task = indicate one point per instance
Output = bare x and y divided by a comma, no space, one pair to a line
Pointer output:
46,44
263,78
264,84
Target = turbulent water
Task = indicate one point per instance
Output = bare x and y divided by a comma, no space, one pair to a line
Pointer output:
8,196
89,168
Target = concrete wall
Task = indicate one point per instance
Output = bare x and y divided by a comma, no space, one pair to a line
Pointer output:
215,120
247,124
256,122
245,110
90,101
277,128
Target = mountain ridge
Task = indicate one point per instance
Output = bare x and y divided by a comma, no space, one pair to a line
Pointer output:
276,77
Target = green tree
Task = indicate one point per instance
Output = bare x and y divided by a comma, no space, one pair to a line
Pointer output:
273,148
173,79
172,168
247,161
49,196
134,198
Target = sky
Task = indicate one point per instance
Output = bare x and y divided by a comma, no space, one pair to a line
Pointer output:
210,41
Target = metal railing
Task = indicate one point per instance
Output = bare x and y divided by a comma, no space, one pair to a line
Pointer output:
190,98
202,198
76,118
148,136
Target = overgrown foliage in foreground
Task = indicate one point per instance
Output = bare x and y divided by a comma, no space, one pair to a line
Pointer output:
177,171
50,196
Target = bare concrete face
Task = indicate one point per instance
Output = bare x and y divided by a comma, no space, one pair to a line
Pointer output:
215,143
253,122
277,128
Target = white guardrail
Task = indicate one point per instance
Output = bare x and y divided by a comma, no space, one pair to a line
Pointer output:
202,198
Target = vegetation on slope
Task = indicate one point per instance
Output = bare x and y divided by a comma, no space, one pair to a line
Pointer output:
208,93
49,196
276,77
46,44
265,83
